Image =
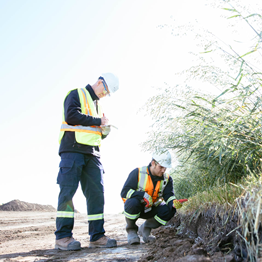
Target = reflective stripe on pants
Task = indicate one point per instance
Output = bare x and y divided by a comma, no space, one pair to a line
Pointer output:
88,170
133,209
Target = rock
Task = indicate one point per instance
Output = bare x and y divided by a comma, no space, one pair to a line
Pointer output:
227,258
193,258
218,254
199,251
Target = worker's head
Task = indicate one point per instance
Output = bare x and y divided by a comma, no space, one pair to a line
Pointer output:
106,84
160,162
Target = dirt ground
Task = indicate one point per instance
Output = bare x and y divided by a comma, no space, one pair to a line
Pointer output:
29,236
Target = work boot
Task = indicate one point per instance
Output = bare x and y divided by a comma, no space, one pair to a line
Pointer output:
145,230
67,243
103,242
131,229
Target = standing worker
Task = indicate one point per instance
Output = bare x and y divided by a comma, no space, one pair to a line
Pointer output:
148,193
83,128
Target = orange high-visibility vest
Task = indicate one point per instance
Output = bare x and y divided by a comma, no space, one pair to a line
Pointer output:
145,184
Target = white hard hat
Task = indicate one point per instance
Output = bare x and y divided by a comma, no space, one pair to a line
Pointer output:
163,158
111,81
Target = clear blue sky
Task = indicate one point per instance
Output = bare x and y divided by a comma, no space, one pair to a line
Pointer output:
50,47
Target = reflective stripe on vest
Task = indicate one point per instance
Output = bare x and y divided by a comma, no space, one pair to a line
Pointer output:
87,129
87,135
142,178
163,184
85,102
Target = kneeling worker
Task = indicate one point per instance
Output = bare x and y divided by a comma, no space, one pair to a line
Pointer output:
143,194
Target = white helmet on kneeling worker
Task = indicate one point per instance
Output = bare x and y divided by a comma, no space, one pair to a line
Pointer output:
163,158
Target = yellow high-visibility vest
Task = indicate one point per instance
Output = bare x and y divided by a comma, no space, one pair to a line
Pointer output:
87,135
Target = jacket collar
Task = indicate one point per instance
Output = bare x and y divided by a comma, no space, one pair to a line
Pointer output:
91,92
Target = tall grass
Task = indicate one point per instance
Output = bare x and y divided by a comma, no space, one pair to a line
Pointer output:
220,195
243,199
216,138
249,208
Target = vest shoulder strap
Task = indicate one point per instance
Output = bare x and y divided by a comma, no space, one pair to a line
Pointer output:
163,184
84,98
142,178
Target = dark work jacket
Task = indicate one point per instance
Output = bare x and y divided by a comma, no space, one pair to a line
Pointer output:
74,116
132,180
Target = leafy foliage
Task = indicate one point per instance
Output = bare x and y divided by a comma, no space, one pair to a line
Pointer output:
216,138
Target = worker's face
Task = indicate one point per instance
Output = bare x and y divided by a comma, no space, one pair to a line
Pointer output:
101,90
157,170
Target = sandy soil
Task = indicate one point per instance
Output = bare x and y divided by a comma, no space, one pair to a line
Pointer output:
29,236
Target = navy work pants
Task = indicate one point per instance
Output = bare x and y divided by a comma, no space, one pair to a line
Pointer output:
88,170
133,206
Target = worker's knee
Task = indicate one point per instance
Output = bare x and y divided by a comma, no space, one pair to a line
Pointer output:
164,212
70,168
132,206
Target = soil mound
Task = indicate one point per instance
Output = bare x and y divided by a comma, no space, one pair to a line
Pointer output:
17,205
211,235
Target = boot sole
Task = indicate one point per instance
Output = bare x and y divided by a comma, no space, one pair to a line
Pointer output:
134,242
149,240
109,245
66,248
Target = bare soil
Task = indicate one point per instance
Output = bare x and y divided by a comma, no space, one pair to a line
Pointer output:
29,236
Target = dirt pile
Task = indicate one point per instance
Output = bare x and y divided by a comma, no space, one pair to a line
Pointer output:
170,247
207,236
17,205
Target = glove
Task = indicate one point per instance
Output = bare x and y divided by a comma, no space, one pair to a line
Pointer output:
148,200
178,203
106,130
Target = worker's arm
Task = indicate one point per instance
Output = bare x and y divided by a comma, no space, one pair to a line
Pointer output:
170,198
130,186
168,193
73,114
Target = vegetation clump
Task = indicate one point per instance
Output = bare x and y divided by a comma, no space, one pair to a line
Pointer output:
217,137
